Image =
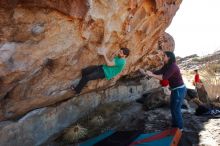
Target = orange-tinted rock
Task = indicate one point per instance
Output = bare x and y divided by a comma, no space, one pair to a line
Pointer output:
167,42
73,8
45,44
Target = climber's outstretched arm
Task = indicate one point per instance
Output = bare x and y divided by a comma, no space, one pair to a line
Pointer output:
108,62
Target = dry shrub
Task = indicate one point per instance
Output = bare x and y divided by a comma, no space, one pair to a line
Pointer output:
211,79
74,133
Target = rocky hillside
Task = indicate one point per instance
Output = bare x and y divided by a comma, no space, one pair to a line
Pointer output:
209,70
199,62
44,44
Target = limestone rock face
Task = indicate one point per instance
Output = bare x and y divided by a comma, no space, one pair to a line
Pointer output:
44,124
44,44
167,42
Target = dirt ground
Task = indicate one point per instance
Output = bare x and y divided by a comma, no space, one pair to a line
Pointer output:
198,131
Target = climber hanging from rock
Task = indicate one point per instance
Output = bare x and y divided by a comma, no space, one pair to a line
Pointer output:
108,71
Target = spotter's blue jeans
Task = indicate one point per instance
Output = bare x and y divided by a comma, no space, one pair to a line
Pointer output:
176,101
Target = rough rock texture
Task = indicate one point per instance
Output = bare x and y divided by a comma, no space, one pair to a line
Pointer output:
39,125
154,98
167,42
45,44
73,8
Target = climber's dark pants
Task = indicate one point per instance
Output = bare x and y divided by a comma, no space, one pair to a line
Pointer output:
90,73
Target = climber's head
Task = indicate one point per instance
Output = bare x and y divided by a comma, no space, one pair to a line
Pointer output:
124,52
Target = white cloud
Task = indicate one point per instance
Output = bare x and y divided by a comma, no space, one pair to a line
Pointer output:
196,27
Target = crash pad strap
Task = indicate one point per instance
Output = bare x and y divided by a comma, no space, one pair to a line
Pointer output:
171,132
176,137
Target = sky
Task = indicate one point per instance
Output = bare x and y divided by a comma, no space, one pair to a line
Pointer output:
196,27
